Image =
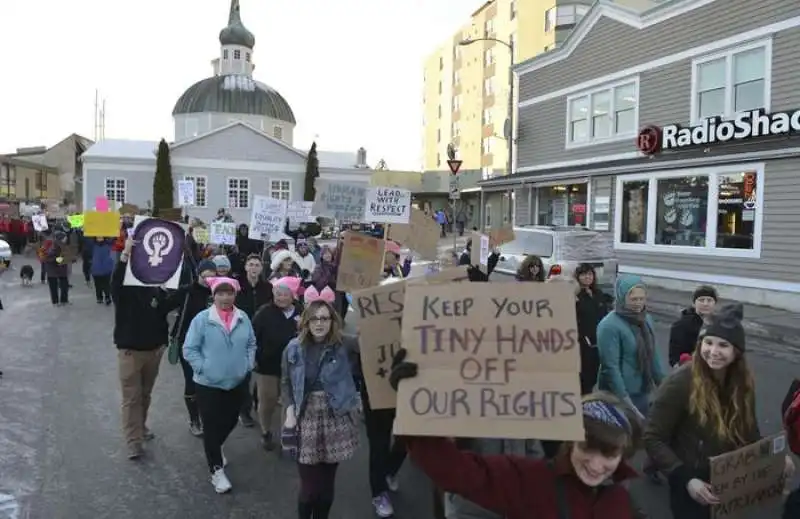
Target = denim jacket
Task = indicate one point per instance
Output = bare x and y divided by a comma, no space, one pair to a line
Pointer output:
336,377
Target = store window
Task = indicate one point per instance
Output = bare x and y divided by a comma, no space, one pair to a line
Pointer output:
562,205
635,196
681,211
707,211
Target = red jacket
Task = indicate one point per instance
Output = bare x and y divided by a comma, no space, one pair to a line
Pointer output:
119,243
516,487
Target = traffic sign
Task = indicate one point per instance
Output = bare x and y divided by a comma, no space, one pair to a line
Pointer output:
455,194
455,165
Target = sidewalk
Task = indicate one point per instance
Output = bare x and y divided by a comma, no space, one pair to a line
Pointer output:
772,324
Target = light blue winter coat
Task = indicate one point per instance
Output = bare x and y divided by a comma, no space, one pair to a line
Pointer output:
220,358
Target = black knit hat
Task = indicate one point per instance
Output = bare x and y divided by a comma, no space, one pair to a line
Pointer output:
704,291
726,323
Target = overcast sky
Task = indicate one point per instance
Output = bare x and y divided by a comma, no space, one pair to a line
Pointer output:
350,69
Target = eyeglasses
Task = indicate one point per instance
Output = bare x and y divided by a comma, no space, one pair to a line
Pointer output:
319,319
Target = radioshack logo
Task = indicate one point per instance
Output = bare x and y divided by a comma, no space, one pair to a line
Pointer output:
746,125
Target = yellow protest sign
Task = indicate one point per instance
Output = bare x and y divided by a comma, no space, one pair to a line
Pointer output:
496,359
361,262
75,221
100,225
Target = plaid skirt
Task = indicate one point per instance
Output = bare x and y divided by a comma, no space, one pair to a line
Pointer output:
323,436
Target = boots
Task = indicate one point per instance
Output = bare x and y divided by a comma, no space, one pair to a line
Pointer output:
195,425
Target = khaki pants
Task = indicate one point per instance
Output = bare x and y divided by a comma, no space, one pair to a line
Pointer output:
269,390
137,376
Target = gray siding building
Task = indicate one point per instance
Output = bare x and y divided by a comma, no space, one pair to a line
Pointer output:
675,127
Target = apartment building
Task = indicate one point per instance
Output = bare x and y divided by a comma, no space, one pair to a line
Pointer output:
465,95
27,181
677,129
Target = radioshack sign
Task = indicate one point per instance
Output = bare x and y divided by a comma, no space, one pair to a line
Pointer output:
746,125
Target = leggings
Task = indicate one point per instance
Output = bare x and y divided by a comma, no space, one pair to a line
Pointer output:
316,490
189,390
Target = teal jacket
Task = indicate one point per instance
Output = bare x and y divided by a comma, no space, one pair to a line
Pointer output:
219,358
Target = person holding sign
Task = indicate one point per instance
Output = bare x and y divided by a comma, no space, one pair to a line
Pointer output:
476,274
706,408
391,262
321,398
524,488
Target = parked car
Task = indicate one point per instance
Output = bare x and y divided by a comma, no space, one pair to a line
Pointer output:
562,249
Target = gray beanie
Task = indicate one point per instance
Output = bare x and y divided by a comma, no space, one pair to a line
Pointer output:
726,323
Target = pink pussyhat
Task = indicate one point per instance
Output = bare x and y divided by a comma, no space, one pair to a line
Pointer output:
290,283
214,282
392,247
326,294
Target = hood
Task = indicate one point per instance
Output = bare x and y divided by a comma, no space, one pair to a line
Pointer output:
625,284
279,256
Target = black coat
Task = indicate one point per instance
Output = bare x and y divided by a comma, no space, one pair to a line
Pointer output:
250,298
590,308
683,335
197,298
273,331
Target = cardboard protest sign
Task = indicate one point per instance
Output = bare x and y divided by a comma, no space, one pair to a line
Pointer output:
501,236
201,235
498,360
98,224
388,205
340,200
300,212
421,234
479,254
443,275
222,233
39,222
157,257
361,262
267,219
749,478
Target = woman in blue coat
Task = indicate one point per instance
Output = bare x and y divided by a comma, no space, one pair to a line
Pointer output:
101,266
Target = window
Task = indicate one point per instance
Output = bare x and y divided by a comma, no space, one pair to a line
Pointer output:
116,190
735,81
247,57
280,189
439,135
441,66
439,110
707,211
562,205
8,180
277,132
41,181
487,116
488,27
488,57
486,145
440,87
238,193
200,190
605,115
488,87
513,10
225,54
237,54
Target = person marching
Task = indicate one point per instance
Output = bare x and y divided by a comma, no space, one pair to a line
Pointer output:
101,266
274,325
704,409
591,306
321,398
684,332
220,347
57,270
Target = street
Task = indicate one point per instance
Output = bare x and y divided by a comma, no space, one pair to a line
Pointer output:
62,456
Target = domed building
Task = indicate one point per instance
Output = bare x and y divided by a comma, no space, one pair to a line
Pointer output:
232,94
234,140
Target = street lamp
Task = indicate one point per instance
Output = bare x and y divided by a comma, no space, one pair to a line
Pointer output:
510,132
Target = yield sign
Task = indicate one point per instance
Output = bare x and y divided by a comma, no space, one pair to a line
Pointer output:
455,165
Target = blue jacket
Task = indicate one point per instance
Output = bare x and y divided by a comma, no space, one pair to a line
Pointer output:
220,358
102,261
336,377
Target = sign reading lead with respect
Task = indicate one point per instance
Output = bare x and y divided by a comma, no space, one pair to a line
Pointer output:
499,360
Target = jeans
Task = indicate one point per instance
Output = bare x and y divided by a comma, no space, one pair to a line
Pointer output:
138,371
385,457
219,411
59,290
102,288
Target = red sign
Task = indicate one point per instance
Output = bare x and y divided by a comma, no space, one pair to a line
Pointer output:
455,165
649,140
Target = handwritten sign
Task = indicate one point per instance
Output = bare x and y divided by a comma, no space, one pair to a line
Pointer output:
268,217
300,212
100,225
495,359
340,200
185,193
361,262
479,253
201,235
421,234
749,478
39,222
222,233
388,205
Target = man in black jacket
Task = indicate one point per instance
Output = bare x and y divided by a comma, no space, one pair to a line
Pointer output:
140,333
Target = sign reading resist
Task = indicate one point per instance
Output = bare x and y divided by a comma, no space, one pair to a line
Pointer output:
388,205
495,359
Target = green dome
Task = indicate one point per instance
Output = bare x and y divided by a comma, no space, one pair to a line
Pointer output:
236,33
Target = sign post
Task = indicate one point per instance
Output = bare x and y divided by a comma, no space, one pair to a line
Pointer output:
454,164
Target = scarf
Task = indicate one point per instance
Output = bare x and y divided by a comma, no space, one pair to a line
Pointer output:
645,345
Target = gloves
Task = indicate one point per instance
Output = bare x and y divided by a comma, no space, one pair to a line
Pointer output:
401,369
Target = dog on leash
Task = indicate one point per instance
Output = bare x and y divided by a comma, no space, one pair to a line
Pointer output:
26,274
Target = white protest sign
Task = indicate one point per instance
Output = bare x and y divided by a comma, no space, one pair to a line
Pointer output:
388,205
39,222
185,193
222,233
268,218
484,250
300,212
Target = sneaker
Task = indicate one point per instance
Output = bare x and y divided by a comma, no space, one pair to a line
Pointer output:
268,442
148,434
135,451
246,420
108,302
392,483
196,428
221,482
383,505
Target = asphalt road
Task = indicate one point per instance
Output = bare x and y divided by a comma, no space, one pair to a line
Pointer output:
62,456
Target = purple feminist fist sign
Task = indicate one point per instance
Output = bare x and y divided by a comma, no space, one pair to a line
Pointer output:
158,253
